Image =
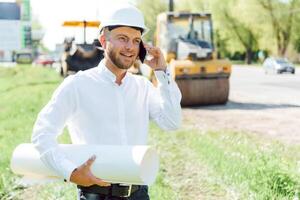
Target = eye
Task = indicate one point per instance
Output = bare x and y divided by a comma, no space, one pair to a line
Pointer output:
122,39
137,42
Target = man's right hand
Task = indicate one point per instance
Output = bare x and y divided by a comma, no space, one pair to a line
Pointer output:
84,177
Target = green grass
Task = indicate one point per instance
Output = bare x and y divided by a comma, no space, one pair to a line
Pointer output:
193,164
240,165
258,168
23,90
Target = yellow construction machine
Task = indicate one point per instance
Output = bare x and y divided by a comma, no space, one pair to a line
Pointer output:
186,39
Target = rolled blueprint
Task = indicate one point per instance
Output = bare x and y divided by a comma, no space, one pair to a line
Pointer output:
115,164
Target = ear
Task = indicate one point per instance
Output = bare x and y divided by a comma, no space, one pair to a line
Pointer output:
102,41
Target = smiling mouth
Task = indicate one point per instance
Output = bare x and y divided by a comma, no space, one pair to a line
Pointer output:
127,55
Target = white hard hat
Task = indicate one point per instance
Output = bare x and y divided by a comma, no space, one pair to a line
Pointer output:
125,15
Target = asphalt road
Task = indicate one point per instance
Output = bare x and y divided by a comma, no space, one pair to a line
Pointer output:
253,85
259,103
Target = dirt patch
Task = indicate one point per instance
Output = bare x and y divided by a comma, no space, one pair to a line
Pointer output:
279,121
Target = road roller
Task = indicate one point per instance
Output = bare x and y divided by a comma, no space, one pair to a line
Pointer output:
186,40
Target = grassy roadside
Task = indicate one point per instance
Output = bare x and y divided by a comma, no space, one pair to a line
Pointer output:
194,165
234,165
23,92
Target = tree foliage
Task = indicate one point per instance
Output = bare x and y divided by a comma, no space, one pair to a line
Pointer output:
282,16
241,25
244,34
231,28
151,8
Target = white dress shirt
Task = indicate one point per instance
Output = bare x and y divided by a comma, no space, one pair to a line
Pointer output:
96,110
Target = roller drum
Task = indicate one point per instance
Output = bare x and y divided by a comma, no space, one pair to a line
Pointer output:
203,91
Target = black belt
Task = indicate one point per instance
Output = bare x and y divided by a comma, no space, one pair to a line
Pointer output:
115,190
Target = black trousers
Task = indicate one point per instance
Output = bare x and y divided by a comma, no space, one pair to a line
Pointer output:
140,194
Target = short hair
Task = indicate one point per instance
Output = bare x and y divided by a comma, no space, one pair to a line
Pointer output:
104,31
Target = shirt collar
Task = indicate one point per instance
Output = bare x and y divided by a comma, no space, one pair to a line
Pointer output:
108,75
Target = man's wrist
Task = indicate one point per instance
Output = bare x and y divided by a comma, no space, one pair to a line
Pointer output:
161,69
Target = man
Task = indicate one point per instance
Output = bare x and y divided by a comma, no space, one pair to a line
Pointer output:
107,105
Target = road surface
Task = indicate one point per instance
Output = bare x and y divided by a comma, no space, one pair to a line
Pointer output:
265,104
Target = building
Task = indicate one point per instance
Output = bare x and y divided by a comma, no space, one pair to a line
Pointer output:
15,29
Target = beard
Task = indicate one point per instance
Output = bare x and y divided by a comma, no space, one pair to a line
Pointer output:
117,61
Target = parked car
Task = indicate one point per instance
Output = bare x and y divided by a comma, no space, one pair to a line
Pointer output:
278,65
44,60
23,57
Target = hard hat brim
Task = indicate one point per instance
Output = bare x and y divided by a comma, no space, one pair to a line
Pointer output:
145,29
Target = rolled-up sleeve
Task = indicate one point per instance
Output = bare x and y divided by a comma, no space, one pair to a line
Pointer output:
49,125
165,107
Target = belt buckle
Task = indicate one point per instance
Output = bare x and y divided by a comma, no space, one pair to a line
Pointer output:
129,191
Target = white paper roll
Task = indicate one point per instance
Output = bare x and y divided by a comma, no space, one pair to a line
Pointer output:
115,164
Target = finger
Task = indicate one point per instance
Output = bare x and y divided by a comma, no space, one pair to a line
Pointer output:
90,161
150,63
100,182
147,62
155,52
149,49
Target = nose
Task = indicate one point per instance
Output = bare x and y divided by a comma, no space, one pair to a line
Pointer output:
130,45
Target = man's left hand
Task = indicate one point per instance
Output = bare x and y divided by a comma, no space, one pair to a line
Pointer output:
157,62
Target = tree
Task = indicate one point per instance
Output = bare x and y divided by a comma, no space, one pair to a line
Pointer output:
150,9
297,45
193,5
244,34
221,45
281,14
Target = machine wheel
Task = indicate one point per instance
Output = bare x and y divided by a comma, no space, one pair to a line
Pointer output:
203,91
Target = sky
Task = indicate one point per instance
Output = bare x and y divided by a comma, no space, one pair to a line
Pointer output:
52,13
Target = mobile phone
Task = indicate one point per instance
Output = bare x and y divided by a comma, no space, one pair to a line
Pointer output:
142,52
